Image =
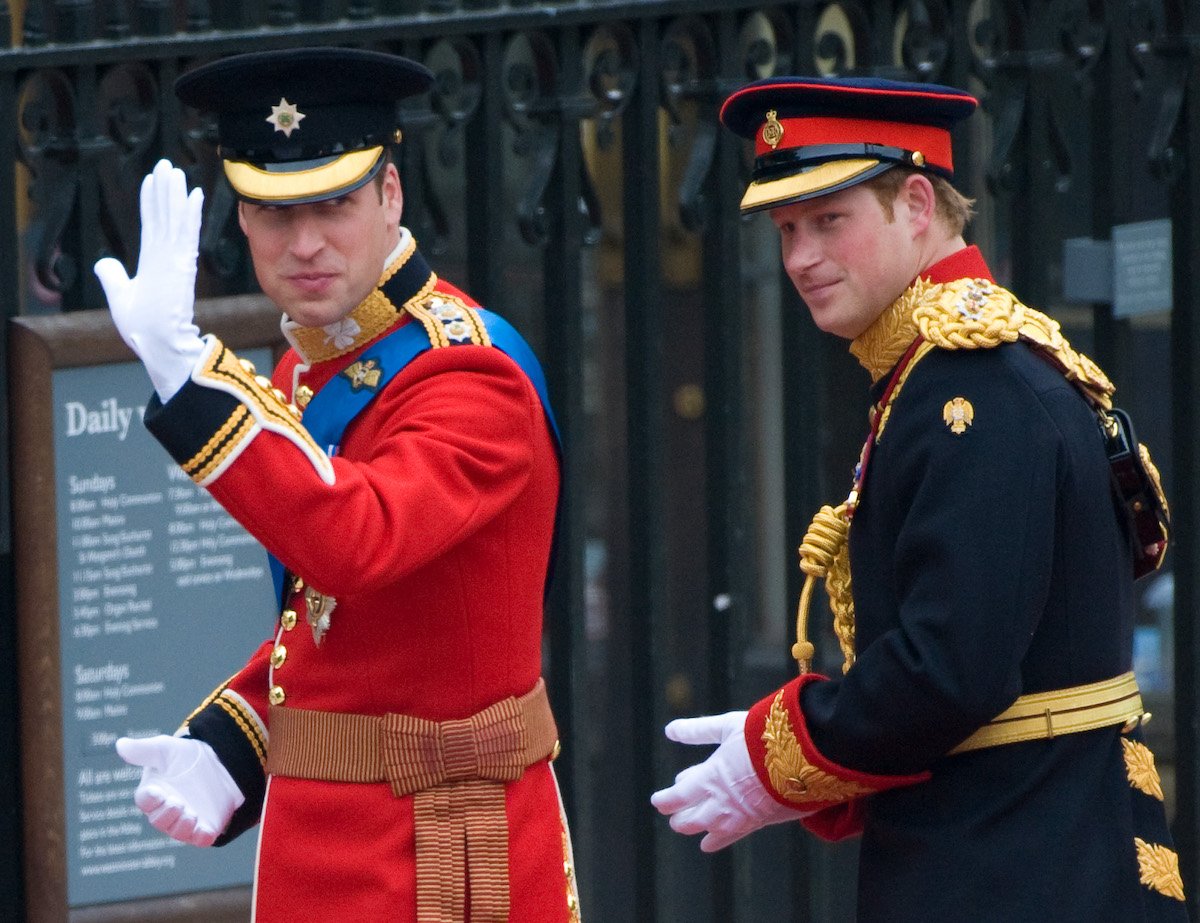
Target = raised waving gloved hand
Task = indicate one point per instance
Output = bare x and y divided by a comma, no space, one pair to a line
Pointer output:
185,791
153,310
721,797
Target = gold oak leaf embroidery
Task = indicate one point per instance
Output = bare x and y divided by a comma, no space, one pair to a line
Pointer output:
1159,868
791,775
1139,764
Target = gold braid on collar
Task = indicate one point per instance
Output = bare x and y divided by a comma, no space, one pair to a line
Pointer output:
369,319
881,345
972,314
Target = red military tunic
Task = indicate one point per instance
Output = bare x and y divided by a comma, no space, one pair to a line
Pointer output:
429,529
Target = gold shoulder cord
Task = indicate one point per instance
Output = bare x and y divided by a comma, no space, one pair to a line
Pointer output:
963,314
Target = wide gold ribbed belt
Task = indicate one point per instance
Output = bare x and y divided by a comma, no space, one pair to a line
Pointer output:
455,771
1042,715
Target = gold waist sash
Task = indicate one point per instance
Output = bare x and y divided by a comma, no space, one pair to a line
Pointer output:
455,771
1042,715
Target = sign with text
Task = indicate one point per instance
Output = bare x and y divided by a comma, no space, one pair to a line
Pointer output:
137,595
1142,268
161,597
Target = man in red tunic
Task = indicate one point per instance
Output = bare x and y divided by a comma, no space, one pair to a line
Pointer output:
983,739
393,740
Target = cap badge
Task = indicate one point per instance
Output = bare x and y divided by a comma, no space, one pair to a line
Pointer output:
772,132
285,117
958,414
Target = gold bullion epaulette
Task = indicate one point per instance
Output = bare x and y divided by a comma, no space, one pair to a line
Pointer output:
978,314
448,321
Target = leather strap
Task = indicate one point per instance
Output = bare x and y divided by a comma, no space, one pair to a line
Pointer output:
1042,715
455,770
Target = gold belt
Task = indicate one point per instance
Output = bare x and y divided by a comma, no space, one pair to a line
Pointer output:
455,771
1042,715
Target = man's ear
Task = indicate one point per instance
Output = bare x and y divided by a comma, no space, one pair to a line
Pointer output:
393,194
917,202
241,207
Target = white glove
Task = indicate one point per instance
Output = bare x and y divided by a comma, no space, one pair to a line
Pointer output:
153,310
721,797
185,791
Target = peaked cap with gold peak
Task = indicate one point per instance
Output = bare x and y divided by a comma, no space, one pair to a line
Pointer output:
817,135
303,124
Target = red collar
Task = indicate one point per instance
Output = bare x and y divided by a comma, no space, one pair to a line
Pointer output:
967,263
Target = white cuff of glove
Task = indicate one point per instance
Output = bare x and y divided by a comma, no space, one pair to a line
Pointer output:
722,797
185,791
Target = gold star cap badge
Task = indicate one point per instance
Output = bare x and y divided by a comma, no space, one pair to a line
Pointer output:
285,117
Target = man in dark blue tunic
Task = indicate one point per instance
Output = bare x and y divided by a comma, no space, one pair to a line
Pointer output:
984,739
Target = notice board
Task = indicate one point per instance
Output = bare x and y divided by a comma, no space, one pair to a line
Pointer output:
136,596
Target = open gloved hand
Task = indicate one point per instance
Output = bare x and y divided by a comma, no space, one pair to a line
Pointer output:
185,791
153,310
721,797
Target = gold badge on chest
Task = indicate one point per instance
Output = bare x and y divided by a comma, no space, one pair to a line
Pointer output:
958,414
318,608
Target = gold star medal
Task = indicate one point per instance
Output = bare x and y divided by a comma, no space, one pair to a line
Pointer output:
285,117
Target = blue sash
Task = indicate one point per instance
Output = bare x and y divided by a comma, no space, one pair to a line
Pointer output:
341,400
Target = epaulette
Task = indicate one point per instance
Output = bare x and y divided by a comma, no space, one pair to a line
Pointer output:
448,320
978,314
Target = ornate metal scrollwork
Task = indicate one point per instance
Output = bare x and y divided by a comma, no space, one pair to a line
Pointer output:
840,38
454,100
922,39
1013,55
128,118
47,120
530,80
766,45
690,92
1161,58
610,60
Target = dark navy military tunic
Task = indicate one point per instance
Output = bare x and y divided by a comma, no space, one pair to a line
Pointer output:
986,565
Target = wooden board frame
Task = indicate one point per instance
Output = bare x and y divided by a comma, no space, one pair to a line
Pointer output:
39,346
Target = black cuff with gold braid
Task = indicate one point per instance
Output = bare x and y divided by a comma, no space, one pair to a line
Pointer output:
240,748
222,406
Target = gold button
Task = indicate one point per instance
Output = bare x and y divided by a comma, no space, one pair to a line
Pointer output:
288,619
304,394
297,584
247,366
278,656
918,159
276,695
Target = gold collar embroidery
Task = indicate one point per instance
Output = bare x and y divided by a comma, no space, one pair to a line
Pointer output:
368,320
880,346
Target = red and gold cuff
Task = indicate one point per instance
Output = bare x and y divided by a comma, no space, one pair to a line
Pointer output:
788,763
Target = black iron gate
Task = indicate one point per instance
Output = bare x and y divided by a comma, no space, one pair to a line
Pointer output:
568,170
